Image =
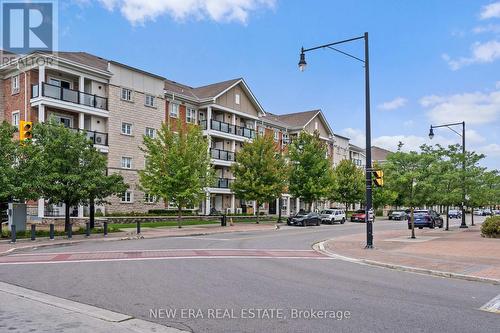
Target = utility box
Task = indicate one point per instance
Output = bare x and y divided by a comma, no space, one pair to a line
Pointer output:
17,216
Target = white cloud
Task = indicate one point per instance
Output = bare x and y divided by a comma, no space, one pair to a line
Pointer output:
490,11
482,53
410,142
356,136
140,11
473,108
494,28
394,104
474,137
497,85
493,149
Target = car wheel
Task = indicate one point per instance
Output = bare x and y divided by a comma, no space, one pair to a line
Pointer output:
342,221
420,227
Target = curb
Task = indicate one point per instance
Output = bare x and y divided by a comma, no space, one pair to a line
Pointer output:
320,247
104,239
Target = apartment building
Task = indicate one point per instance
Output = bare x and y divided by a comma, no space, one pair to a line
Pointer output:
357,155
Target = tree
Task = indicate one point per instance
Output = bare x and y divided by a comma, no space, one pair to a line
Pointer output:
348,184
178,166
68,166
100,185
260,172
407,174
310,172
8,156
382,196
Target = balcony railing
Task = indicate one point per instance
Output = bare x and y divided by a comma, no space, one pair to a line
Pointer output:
97,138
223,182
220,154
69,95
232,129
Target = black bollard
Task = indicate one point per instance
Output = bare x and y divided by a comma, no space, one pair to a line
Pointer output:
87,229
51,231
13,233
138,227
33,232
70,231
105,228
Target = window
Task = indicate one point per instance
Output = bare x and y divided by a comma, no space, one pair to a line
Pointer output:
150,132
148,198
127,162
276,135
285,138
191,116
261,131
66,121
174,110
127,196
127,128
15,84
150,100
126,94
237,99
15,119
60,83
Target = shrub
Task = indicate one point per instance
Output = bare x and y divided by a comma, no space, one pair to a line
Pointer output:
379,212
491,227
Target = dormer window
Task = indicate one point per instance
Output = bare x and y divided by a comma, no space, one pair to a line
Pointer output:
237,99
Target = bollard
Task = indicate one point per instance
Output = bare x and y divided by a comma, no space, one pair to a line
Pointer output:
87,229
70,231
138,227
13,233
51,231
105,228
33,231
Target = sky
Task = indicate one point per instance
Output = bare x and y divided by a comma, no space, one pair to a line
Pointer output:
431,62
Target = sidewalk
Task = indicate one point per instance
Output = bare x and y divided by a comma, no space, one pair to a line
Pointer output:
461,252
194,230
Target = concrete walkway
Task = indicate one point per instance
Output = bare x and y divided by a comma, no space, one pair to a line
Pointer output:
205,229
461,252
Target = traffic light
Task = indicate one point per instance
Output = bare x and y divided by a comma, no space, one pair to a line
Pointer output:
25,130
379,178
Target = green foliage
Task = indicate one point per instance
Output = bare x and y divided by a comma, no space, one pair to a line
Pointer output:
310,175
260,171
8,167
491,227
178,166
348,185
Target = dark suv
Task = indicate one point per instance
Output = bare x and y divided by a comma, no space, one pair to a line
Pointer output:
426,218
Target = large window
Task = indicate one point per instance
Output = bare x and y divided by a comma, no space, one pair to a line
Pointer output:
126,94
15,84
126,162
276,135
127,128
15,119
148,198
191,116
127,197
285,138
150,100
174,110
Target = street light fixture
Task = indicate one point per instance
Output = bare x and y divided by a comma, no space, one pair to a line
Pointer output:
368,165
464,195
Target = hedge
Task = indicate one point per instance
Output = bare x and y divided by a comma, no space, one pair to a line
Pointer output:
491,227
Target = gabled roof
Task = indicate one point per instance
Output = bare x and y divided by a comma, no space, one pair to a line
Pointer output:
298,119
85,58
272,118
356,148
379,154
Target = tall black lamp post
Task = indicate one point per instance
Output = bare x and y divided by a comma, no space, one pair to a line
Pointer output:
431,135
368,167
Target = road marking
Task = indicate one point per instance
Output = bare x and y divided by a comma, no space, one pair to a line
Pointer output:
492,306
107,256
125,322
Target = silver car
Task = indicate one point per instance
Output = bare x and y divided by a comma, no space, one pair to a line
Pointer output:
330,216
399,215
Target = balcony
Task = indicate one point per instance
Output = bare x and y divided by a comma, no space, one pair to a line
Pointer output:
224,155
223,182
229,128
69,95
97,138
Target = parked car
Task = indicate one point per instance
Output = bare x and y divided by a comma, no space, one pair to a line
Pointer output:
398,215
389,214
496,212
311,218
455,214
330,216
426,218
487,212
359,216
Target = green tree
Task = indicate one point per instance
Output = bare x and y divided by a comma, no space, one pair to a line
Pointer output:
66,163
178,166
348,184
310,175
260,172
382,196
407,174
8,162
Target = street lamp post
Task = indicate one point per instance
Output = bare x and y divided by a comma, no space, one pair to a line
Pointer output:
431,135
368,166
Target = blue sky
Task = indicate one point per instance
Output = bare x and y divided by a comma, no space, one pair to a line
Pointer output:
431,61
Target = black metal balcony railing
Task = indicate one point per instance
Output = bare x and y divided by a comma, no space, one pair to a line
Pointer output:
223,182
220,154
229,128
69,95
97,138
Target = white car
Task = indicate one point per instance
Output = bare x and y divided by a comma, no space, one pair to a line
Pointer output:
330,216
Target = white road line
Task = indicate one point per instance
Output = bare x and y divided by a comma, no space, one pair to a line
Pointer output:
160,258
492,306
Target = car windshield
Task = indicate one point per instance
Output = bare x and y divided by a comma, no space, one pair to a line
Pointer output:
360,211
398,212
327,212
420,213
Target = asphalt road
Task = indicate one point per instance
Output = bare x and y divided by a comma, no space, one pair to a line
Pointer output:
226,289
